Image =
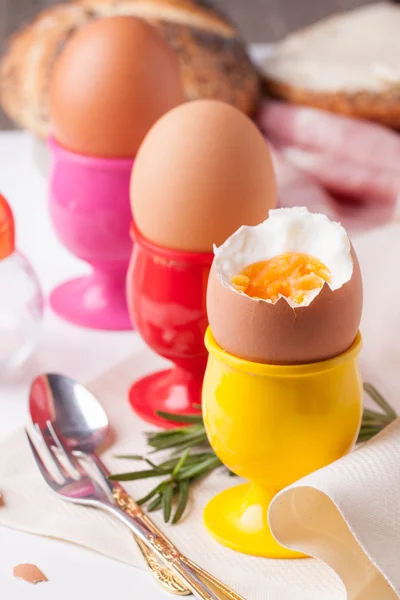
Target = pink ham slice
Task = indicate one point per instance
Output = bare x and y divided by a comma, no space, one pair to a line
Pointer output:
357,183
296,188
351,139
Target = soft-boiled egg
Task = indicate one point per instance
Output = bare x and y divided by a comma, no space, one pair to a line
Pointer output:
286,291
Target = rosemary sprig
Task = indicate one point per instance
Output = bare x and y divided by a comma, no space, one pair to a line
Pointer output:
191,457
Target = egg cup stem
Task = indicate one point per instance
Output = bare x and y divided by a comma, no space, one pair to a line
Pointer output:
238,519
97,301
175,390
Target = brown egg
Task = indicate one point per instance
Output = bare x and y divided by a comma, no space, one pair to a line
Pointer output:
203,170
113,80
322,325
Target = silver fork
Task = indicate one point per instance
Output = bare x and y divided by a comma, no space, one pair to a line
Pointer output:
76,485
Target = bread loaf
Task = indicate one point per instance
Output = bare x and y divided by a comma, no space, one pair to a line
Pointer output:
213,57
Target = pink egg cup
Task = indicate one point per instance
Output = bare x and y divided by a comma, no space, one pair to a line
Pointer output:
166,291
90,210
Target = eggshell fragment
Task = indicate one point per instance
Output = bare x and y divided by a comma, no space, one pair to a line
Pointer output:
29,573
203,170
114,79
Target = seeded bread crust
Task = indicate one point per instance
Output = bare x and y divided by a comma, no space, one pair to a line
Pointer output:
383,107
213,57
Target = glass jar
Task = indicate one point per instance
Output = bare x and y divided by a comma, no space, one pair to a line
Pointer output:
21,299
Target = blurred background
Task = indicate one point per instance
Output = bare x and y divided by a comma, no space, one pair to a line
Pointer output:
258,20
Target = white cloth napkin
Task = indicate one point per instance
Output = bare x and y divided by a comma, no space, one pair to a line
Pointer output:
347,515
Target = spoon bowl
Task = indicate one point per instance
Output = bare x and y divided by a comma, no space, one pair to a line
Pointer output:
72,409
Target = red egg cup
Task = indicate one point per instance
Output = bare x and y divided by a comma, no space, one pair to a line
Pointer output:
166,292
90,211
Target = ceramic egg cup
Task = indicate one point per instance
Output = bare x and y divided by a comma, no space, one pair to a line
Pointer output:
166,292
273,425
90,211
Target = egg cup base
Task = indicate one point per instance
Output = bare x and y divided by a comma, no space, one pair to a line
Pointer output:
238,518
93,302
173,390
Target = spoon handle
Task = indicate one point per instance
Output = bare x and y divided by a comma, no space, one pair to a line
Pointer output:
162,574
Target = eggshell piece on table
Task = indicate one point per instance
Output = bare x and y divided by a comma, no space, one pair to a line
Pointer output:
114,79
203,170
278,333
29,573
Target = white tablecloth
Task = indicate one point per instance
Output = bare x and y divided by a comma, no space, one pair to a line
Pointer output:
70,569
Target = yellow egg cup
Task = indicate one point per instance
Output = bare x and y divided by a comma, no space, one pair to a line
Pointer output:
273,425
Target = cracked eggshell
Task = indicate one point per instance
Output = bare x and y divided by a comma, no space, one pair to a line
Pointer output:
260,331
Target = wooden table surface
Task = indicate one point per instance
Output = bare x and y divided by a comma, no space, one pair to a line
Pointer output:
259,20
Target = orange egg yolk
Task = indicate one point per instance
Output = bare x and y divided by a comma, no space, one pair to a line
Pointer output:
291,275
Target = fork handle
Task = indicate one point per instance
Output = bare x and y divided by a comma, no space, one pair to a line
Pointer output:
166,552
162,574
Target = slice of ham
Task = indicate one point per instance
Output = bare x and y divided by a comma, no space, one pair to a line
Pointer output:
360,184
296,188
351,139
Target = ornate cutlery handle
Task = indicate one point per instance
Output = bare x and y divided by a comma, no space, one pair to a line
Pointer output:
129,505
165,551
162,574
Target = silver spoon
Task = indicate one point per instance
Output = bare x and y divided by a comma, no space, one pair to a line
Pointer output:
79,418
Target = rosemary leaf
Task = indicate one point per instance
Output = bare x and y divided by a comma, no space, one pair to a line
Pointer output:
179,440
199,469
129,456
180,463
161,443
157,490
369,427
162,435
192,458
380,400
155,504
167,496
199,440
196,418
372,414
157,468
134,475
182,500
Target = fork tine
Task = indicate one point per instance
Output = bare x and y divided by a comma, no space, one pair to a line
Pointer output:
57,464
42,467
54,456
74,466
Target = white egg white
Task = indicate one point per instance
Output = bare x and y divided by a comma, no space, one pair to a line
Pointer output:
288,230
